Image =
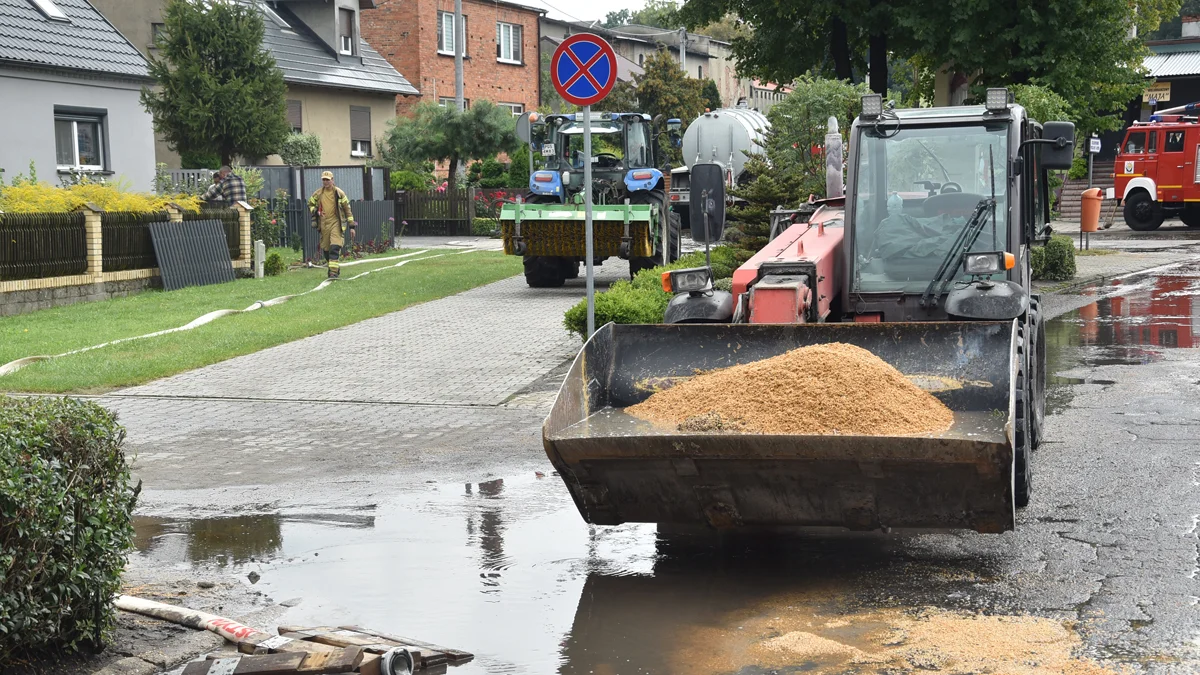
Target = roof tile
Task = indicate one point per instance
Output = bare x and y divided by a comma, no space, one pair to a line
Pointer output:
87,42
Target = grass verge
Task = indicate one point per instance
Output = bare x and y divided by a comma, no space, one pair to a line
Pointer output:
1095,251
54,331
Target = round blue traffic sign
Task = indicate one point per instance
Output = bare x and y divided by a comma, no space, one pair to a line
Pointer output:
583,69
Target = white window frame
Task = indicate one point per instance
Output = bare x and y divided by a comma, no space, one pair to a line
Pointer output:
360,148
51,10
451,101
516,36
445,18
100,136
517,109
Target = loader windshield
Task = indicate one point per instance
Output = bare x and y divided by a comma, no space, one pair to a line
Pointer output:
916,188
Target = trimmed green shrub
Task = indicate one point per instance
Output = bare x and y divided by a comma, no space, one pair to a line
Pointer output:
1078,168
301,150
492,174
642,299
1055,261
65,528
411,180
484,227
273,266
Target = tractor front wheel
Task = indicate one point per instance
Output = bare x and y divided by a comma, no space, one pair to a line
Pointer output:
549,271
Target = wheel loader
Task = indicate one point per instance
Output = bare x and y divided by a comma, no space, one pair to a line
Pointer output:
631,215
924,262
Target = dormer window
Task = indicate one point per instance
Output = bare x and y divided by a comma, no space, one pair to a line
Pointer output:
346,32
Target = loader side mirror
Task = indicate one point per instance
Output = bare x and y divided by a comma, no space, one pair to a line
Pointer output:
707,196
1058,153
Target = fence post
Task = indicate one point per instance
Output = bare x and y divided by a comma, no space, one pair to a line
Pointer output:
243,210
92,220
174,213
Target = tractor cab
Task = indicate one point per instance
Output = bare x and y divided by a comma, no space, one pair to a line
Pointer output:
623,156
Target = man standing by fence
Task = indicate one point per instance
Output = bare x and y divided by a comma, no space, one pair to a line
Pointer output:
330,209
227,190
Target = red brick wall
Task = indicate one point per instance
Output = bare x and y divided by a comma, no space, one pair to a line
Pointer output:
415,55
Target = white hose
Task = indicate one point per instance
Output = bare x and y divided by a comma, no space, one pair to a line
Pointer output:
14,366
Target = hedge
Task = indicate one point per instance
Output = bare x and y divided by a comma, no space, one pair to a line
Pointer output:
642,300
65,523
1055,261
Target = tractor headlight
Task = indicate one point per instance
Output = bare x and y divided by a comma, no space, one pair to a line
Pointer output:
872,106
690,280
979,264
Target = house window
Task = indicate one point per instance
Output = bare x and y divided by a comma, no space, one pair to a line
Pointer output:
295,116
508,43
446,33
79,141
641,59
451,101
346,31
515,108
700,72
156,29
51,10
360,131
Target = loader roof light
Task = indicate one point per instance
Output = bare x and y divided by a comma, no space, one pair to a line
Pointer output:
544,177
643,175
690,280
872,106
997,99
982,264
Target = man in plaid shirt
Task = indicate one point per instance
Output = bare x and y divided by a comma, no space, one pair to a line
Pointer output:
229,188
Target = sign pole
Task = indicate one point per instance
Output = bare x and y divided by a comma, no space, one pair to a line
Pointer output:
587,222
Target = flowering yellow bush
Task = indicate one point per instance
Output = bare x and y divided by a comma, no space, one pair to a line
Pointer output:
37,197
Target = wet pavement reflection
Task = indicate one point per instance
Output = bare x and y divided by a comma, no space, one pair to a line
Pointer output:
505,568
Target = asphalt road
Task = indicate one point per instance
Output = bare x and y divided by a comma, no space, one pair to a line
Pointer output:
467,539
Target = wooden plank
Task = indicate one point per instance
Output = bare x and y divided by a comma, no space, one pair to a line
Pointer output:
370,665
340,661
424,656
253,645
455,656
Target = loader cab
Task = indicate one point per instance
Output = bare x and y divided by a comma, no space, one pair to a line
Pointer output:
916,179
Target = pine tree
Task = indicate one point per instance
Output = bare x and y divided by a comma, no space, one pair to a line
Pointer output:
219,91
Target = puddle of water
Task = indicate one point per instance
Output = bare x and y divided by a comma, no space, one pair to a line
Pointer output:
507,570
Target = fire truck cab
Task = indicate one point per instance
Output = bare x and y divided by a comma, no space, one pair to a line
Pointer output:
1157,172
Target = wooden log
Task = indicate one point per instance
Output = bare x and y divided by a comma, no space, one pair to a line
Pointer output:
455,656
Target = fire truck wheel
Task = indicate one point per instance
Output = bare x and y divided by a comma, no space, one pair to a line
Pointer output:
1190,217
1142,213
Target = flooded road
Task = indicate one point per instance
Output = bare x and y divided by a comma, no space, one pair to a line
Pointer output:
1099,577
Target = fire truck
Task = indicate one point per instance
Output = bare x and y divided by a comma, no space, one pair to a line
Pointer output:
1157,171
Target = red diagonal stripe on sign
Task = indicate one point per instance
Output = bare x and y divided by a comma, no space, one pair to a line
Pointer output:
583,70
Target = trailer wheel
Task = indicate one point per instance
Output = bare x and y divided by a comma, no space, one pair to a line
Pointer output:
1142,213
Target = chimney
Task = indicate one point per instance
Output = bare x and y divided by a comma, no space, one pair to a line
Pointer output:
1191,26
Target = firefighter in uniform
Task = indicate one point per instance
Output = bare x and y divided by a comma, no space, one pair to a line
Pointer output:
330,209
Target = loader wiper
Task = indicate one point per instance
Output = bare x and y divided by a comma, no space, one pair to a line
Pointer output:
954,257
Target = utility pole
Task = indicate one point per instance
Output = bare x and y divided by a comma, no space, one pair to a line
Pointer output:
459,41
683,50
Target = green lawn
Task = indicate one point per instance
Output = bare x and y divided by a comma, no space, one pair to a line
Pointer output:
1096,251
61,329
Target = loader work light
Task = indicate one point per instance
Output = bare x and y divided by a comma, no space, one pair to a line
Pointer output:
690,280
997,99
979,264
872,106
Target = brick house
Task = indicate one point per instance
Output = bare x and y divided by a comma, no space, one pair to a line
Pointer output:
500,61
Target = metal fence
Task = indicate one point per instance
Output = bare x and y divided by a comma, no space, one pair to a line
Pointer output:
39,245
126,240
374,222
435,213
228,218
357,181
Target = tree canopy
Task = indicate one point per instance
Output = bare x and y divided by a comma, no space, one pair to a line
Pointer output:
664,89
1082,49
219,92
657,13
443,134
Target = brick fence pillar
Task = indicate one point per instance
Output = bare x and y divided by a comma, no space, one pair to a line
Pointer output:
92,218
244,210
174,213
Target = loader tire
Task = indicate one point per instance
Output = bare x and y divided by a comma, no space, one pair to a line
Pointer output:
544,272
673,237
1022,479
1037,403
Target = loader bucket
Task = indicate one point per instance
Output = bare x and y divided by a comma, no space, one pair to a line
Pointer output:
558,229
620,469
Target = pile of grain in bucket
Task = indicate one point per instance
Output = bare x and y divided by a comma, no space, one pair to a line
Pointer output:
832,388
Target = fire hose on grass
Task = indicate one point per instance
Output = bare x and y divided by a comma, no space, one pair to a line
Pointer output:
14,366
